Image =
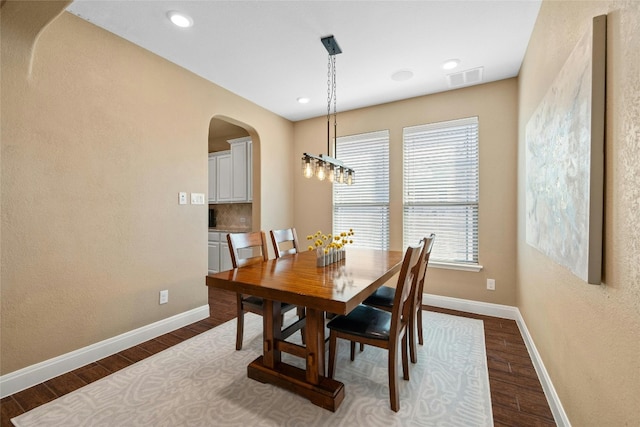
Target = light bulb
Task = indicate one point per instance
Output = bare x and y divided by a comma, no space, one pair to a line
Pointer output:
320,171
307,167
332,173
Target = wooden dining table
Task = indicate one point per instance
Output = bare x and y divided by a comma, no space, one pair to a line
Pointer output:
336,288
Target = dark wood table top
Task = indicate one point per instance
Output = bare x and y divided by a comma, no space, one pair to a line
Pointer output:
336,288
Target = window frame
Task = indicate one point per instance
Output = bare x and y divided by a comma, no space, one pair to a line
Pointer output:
378,199
459,204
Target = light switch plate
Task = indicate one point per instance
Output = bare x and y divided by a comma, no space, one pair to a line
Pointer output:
182,198
197,198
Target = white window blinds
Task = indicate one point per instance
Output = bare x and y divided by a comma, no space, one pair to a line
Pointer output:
364,206
441,185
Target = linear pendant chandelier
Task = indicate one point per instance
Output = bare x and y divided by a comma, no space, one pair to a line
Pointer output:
323,166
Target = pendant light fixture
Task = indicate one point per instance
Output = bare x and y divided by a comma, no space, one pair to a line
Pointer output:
324,166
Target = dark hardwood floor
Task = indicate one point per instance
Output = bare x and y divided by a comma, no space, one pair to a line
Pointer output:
516,394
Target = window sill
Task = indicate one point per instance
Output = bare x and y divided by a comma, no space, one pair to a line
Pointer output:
453,266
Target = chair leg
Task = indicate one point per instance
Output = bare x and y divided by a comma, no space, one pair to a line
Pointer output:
411,330
420,340
239,331
353,350
405,359
240,327
393,378
332,355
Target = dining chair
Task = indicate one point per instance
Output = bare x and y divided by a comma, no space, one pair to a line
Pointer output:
383,298
379,328
285,242
244,248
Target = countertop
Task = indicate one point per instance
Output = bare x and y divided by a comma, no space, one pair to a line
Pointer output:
230,229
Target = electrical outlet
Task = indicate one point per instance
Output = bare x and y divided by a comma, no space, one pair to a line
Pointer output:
164,297
243,220
182,198
491,284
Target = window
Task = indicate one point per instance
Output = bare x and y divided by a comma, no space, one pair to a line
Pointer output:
440,169
364,206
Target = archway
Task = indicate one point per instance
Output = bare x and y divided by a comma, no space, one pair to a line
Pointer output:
243,214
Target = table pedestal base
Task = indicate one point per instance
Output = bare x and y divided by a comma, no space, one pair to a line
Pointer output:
328,394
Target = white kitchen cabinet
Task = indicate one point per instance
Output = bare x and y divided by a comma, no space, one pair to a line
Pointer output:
212,178
219,256
214,252
223,177
250,171
231,173
238,170
225,256
242,169
214,257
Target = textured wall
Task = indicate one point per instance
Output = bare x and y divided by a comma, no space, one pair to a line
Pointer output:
589,336
496,105
98,138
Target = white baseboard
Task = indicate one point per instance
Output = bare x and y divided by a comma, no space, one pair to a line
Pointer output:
560,416
43,371
512,313
476,307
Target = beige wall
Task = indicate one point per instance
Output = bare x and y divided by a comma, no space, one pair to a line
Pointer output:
496,106
97,141
100,135
589,336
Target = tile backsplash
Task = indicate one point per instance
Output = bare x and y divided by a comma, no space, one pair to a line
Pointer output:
230,215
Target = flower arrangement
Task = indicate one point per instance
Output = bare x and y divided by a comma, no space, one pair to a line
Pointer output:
330,248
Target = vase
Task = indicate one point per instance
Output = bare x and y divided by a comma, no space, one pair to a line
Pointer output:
320,257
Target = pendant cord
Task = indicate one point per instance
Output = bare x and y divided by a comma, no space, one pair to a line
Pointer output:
335,110
329,96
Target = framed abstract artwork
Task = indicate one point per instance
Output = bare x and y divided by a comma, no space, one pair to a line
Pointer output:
565,161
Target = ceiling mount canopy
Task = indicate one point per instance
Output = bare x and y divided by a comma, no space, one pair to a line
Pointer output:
324,166
331,45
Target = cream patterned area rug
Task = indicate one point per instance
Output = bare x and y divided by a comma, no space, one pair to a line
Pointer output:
203,382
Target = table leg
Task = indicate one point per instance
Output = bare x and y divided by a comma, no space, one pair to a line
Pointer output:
314,337
272,331
310,382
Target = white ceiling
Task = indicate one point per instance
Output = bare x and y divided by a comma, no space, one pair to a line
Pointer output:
270,53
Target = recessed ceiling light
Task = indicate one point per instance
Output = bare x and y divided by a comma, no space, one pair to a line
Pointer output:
402,75
303,100
450,64
180,19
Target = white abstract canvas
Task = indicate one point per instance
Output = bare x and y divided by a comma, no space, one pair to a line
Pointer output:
564,162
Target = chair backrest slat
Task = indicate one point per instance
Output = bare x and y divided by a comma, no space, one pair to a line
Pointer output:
252,240
406,280
423,266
